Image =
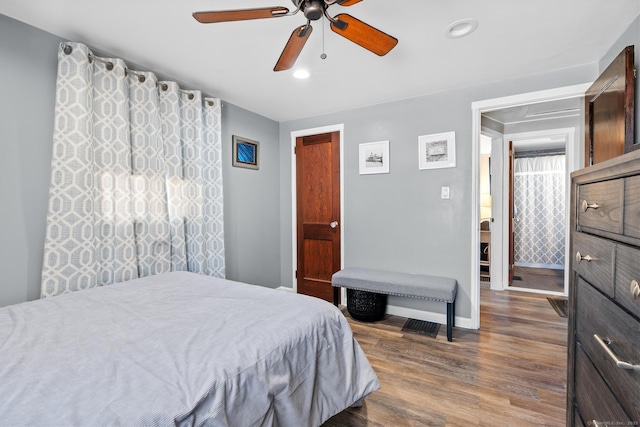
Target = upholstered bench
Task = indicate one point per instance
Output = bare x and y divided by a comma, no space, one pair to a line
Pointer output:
403,284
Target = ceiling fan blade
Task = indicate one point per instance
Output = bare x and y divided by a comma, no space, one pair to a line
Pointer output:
293,47
348,2
239,15
363,34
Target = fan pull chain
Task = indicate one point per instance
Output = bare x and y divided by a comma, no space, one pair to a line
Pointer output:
323,55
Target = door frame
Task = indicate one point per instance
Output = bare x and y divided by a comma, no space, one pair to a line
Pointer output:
294,221
572,162
477,108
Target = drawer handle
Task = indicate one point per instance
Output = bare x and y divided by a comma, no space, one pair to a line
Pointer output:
580,258
619,363
635,289
586,205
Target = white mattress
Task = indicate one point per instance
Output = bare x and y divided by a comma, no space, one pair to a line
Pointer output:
178,349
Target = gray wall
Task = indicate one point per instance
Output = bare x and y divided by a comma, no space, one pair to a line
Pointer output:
251,201
28,73
28,76
415,231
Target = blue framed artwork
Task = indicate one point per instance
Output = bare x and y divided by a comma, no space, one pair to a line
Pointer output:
246,153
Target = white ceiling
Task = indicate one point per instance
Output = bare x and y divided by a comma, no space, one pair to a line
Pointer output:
549,142
542,111
234,61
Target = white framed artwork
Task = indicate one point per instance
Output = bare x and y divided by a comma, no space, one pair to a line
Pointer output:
374,157
437,150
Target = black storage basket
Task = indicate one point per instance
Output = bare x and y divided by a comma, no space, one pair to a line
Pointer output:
366,306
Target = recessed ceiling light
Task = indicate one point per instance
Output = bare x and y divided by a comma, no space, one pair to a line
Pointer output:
461,28
301,74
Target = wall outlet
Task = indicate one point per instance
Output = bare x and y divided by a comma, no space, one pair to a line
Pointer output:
444,193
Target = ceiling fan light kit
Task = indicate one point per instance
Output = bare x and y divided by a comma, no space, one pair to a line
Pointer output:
312,9
346,25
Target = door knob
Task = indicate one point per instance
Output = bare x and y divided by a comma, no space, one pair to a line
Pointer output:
333,224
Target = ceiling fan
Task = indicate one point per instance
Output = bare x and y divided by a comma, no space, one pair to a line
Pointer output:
346,25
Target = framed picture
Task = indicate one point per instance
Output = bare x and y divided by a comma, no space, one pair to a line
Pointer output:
437,150
246,153
374,157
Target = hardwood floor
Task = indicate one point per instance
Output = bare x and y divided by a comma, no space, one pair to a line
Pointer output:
544,279
511,372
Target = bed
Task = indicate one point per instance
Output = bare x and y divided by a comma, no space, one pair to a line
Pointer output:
178,349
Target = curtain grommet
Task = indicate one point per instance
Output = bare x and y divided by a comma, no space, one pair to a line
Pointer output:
67,49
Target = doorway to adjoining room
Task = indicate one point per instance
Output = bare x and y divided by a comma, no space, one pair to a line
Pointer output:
524,167
539,215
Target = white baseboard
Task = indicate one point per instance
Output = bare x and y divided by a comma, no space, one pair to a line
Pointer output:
427,316
412,313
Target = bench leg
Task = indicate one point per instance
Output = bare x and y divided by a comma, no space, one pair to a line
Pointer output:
336,295
450,320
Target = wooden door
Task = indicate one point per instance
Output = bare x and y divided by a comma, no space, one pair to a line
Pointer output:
511,216
318,213
609,111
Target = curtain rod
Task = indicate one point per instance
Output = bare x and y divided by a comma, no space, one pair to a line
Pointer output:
67,49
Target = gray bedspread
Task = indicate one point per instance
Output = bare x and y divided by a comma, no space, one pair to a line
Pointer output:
178,349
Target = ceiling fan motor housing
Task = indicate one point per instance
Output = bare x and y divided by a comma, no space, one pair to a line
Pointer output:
313,9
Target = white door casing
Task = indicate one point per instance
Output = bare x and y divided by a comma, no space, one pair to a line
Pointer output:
478,107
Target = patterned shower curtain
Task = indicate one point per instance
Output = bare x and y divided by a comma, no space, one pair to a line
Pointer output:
539,211
136,179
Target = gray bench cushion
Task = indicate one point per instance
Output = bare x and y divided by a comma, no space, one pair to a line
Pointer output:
394,283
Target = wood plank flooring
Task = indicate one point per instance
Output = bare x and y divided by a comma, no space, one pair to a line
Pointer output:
544,279
511,372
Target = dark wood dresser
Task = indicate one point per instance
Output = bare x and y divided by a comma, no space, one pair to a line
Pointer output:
603,383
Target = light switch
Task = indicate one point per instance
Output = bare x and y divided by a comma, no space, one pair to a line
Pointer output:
444,193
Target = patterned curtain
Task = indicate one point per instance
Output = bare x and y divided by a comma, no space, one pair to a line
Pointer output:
539,211
136,177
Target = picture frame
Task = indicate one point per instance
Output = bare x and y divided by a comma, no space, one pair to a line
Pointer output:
246,153
437,150
374,157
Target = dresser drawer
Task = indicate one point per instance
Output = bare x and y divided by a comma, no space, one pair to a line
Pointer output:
632,207
620,333
594,259
600,205
596,404
627,290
